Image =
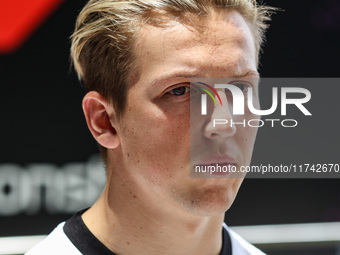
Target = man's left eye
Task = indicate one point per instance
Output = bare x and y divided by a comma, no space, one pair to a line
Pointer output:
179,91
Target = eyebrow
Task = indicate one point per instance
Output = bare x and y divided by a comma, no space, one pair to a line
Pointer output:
175,74
246,73
195,74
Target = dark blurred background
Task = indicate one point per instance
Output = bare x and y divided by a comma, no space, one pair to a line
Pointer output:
42,124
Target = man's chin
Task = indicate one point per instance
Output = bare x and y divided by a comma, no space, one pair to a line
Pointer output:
212,200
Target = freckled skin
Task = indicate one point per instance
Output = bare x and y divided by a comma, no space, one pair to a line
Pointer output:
160,144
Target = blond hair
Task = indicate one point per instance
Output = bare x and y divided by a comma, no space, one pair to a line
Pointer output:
102,51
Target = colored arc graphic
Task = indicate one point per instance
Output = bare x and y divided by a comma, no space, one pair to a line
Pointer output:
211,88
209,95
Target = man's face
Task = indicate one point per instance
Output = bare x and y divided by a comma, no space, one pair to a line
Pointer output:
155,128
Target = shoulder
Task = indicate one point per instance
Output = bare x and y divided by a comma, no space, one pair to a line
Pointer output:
55,243
241,246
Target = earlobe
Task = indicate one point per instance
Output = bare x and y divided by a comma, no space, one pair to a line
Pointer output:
97,113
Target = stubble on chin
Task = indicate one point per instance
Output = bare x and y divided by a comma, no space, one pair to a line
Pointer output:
210,200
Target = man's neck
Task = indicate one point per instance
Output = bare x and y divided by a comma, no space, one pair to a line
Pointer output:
127,223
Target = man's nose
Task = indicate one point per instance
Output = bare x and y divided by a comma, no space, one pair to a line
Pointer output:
220,124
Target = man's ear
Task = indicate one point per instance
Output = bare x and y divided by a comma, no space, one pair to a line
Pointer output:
97,113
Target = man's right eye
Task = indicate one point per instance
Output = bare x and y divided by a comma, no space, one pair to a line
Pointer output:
242,87
179,91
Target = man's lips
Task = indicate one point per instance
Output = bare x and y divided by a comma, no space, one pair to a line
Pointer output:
221,160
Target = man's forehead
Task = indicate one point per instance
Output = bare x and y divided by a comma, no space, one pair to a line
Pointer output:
207,29
220,41
199,23
162,18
